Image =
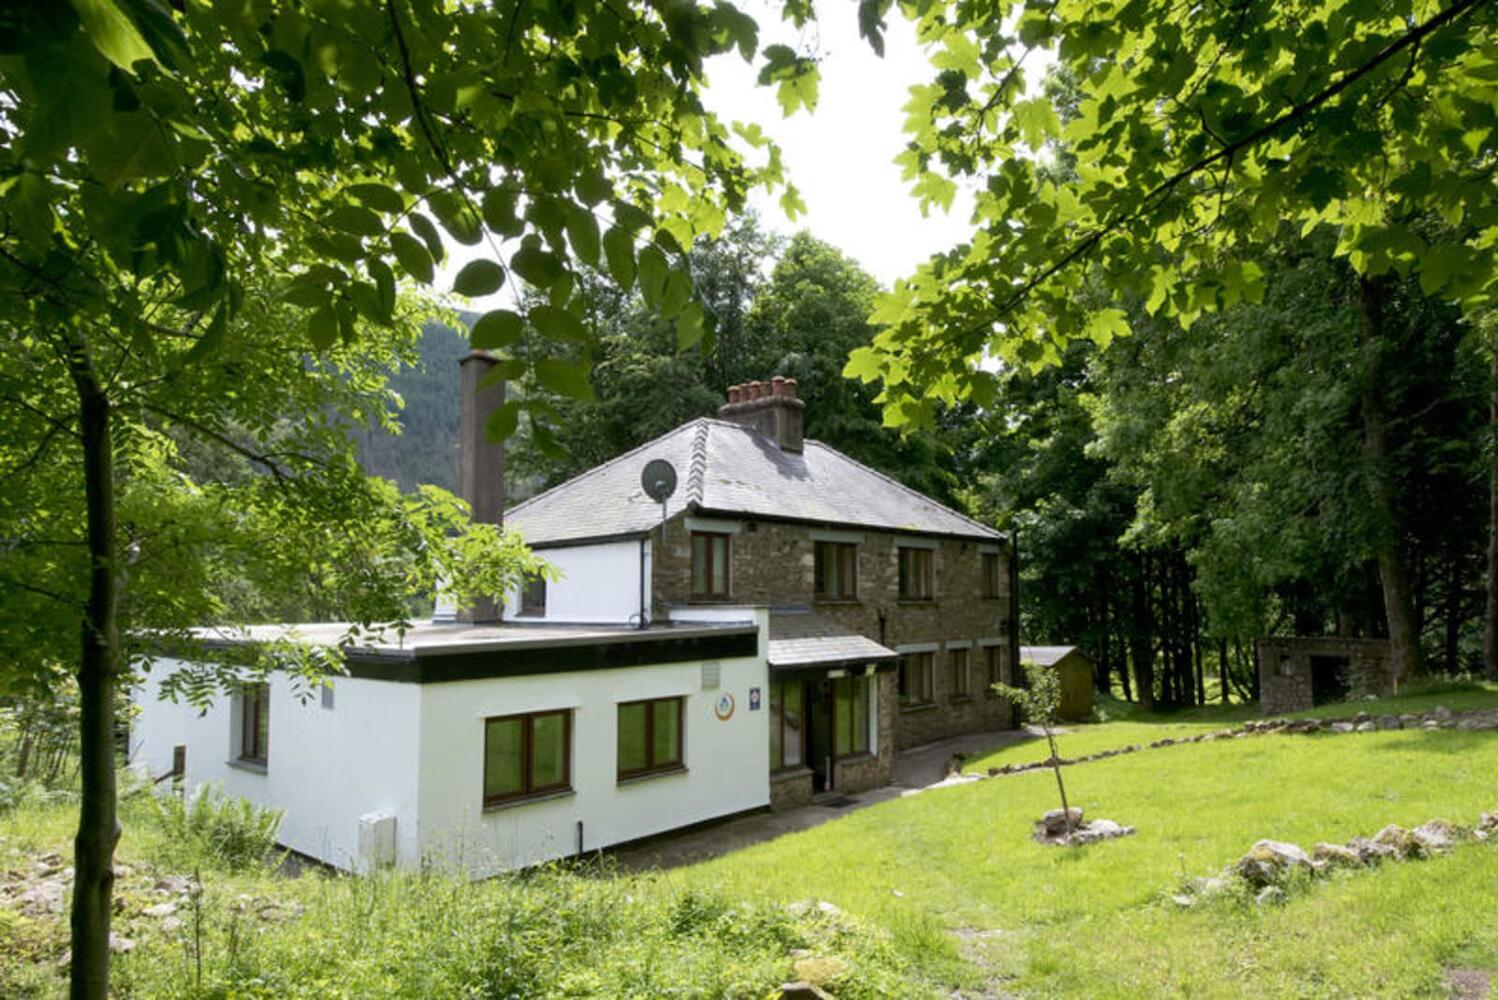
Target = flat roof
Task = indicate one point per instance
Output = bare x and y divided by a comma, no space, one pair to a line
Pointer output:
431,652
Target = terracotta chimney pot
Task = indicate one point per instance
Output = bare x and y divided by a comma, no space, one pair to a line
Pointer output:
754,389
734,393
790,388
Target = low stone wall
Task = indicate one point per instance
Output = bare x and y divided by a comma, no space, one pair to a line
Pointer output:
1284,663
1437,718
790,790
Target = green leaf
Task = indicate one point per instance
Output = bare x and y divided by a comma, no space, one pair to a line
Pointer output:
653,272
1106,324
457,217
503,421
356,220
619,248
676,293
499,212
1036,121
689,326
412,256
479,277
384,280
539,268
307,291
322,327
496,329
582,233
564,378
863,364
112,32
424,228
557,324
380,197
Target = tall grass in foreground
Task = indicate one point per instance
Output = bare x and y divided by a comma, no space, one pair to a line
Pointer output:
245,931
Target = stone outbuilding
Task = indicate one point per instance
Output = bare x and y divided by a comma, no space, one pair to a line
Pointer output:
1075,668
1300,672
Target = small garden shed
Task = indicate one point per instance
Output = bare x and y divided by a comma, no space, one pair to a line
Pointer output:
1075,668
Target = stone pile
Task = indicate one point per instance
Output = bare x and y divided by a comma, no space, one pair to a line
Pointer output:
1052,829
1439,717
1271,865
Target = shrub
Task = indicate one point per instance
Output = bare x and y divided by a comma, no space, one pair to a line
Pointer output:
230,831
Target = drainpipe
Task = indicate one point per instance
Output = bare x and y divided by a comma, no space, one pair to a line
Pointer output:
644,611
1014,606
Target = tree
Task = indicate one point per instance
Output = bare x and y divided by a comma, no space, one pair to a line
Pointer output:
165,168
1199,133
1040,700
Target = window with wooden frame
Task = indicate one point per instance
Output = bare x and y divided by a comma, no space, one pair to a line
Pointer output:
993,667
959,684
990,575
836,577
254,723
650,736
787,724
850,716
533,598
915,681
711,552
527,756
916,574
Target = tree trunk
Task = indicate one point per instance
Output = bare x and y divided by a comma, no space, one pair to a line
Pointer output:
1222,668
98,819
1490,620
1453,605
1142,651
1404,643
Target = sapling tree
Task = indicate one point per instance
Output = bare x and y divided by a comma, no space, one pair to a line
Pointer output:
1040,701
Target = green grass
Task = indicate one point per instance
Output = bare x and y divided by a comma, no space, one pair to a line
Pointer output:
1095,921
546,933
1124,724
906,874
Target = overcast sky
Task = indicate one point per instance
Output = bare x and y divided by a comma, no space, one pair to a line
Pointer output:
841,156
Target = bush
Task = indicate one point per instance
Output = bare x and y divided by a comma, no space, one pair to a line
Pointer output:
229,831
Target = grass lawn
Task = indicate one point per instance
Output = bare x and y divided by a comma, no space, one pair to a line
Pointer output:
1096,921
1124,724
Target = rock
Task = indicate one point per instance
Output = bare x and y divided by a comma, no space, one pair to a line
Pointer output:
1270,895
1101,829
1399,840
1342,727
1055,823
179,885
1310,726
1335,856
1369,851
1269,861
1439,713
171,924
1488,822
1437,836
1362,717
1214,886
1388,722
161,909
1409,718
1430,724
1182,899
120,944
803,991
820,970
1366,727
41,898
1471,725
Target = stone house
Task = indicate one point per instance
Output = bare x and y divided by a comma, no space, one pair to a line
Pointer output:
890,614
1302,672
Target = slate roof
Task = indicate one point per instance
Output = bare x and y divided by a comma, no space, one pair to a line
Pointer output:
802,638
1046,656
725,468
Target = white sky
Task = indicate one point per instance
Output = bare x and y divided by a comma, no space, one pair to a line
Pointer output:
841,156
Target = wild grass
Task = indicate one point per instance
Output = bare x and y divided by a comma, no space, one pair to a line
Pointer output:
555,932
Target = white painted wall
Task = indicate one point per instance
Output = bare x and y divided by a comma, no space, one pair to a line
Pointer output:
325,767
727,762
416,751
599,584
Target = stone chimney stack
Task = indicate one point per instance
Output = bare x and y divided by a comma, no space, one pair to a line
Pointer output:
481,462
770,408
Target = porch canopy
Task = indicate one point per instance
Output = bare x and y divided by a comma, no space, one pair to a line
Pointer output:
805,644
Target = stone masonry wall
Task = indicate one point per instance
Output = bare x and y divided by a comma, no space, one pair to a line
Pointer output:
1284,665
773,563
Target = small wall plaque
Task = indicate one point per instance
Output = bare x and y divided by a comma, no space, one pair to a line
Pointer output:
712,676
754,699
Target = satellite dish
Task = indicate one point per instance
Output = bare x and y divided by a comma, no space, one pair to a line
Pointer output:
658,480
